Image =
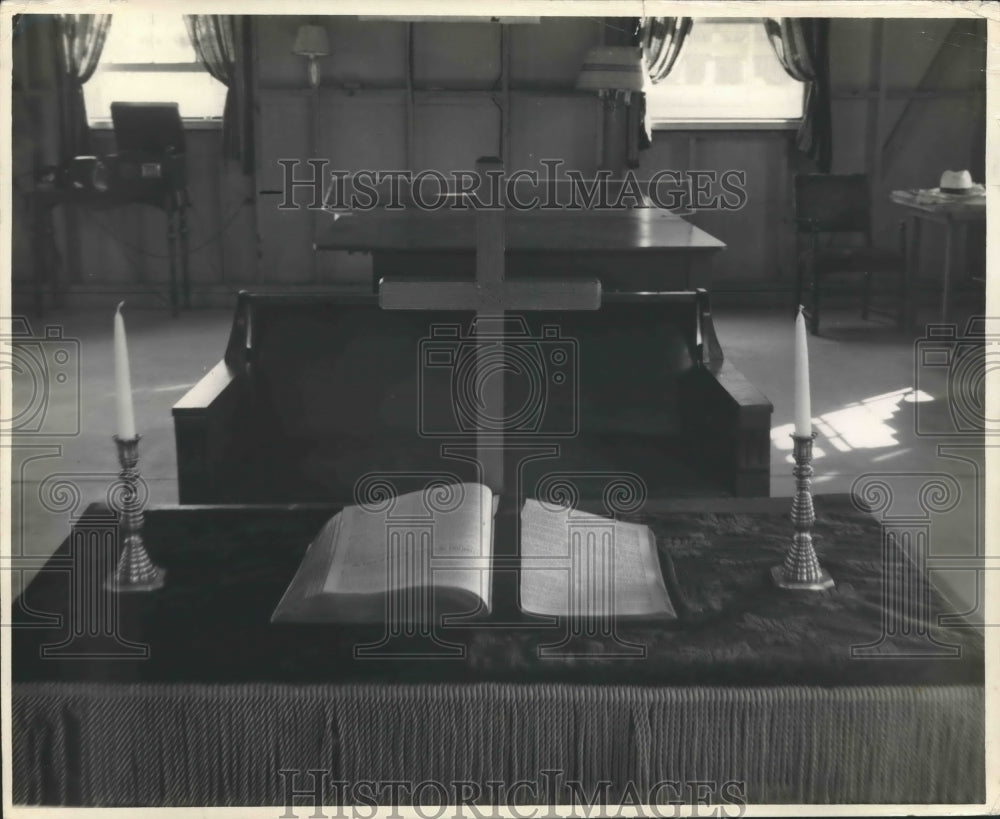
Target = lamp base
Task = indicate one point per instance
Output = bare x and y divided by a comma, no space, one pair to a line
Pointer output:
823,582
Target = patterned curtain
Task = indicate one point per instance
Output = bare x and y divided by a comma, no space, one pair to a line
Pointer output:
801,45
661,39
80,41
223,43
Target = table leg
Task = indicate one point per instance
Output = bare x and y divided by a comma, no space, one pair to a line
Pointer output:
904,250
185,267
912,267
52,259
698,274
946,285
962,252
172,252
41,257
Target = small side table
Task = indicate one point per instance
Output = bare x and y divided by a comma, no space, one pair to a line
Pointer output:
172,199
955,213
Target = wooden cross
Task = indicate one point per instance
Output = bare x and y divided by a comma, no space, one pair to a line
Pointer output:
490,295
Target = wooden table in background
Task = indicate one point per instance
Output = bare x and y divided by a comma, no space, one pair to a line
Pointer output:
634,249
955,212
167,194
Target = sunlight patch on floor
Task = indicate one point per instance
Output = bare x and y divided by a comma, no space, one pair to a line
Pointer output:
863,424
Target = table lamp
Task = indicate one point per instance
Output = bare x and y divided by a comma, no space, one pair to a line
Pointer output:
612,70
312,42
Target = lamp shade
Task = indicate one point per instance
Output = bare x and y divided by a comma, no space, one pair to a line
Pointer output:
611,68
311,41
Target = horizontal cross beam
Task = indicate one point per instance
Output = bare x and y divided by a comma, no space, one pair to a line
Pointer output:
490,297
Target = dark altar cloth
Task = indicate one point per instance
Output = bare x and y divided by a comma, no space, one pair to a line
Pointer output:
228,567
749,682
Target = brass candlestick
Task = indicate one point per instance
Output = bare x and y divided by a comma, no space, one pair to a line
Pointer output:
135,570
801,569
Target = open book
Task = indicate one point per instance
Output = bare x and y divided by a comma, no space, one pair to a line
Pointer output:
576,564
430,554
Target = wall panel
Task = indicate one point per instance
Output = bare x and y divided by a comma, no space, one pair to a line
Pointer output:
364,52
555,127
452,132
456,55
358,131
759,237
551,52
285,126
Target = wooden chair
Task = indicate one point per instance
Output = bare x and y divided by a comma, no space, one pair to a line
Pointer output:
827,207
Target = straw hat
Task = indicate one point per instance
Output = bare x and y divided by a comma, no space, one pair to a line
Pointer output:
958,182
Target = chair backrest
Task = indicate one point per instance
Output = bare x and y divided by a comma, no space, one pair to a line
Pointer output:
832,203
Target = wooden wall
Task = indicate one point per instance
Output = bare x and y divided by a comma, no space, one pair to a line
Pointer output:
414,96
759,237
437,95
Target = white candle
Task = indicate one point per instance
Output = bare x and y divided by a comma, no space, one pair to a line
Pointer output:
803,408
123,380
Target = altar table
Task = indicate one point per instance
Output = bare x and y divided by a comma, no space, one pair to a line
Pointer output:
190,696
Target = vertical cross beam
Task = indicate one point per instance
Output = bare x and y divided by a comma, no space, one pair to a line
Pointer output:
490,295
490,276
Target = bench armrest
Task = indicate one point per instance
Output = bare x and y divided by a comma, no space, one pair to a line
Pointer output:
726,425
207,427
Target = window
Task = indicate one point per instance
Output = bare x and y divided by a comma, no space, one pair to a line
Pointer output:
149,58
727,72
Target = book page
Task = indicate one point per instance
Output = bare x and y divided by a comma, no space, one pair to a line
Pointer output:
422,540
578,564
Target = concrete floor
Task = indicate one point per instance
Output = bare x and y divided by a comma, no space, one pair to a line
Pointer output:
863,400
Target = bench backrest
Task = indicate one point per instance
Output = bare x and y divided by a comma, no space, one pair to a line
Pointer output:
330,366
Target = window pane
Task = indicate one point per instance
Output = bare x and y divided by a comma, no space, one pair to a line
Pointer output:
152,39
726,70
199,95
147,38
